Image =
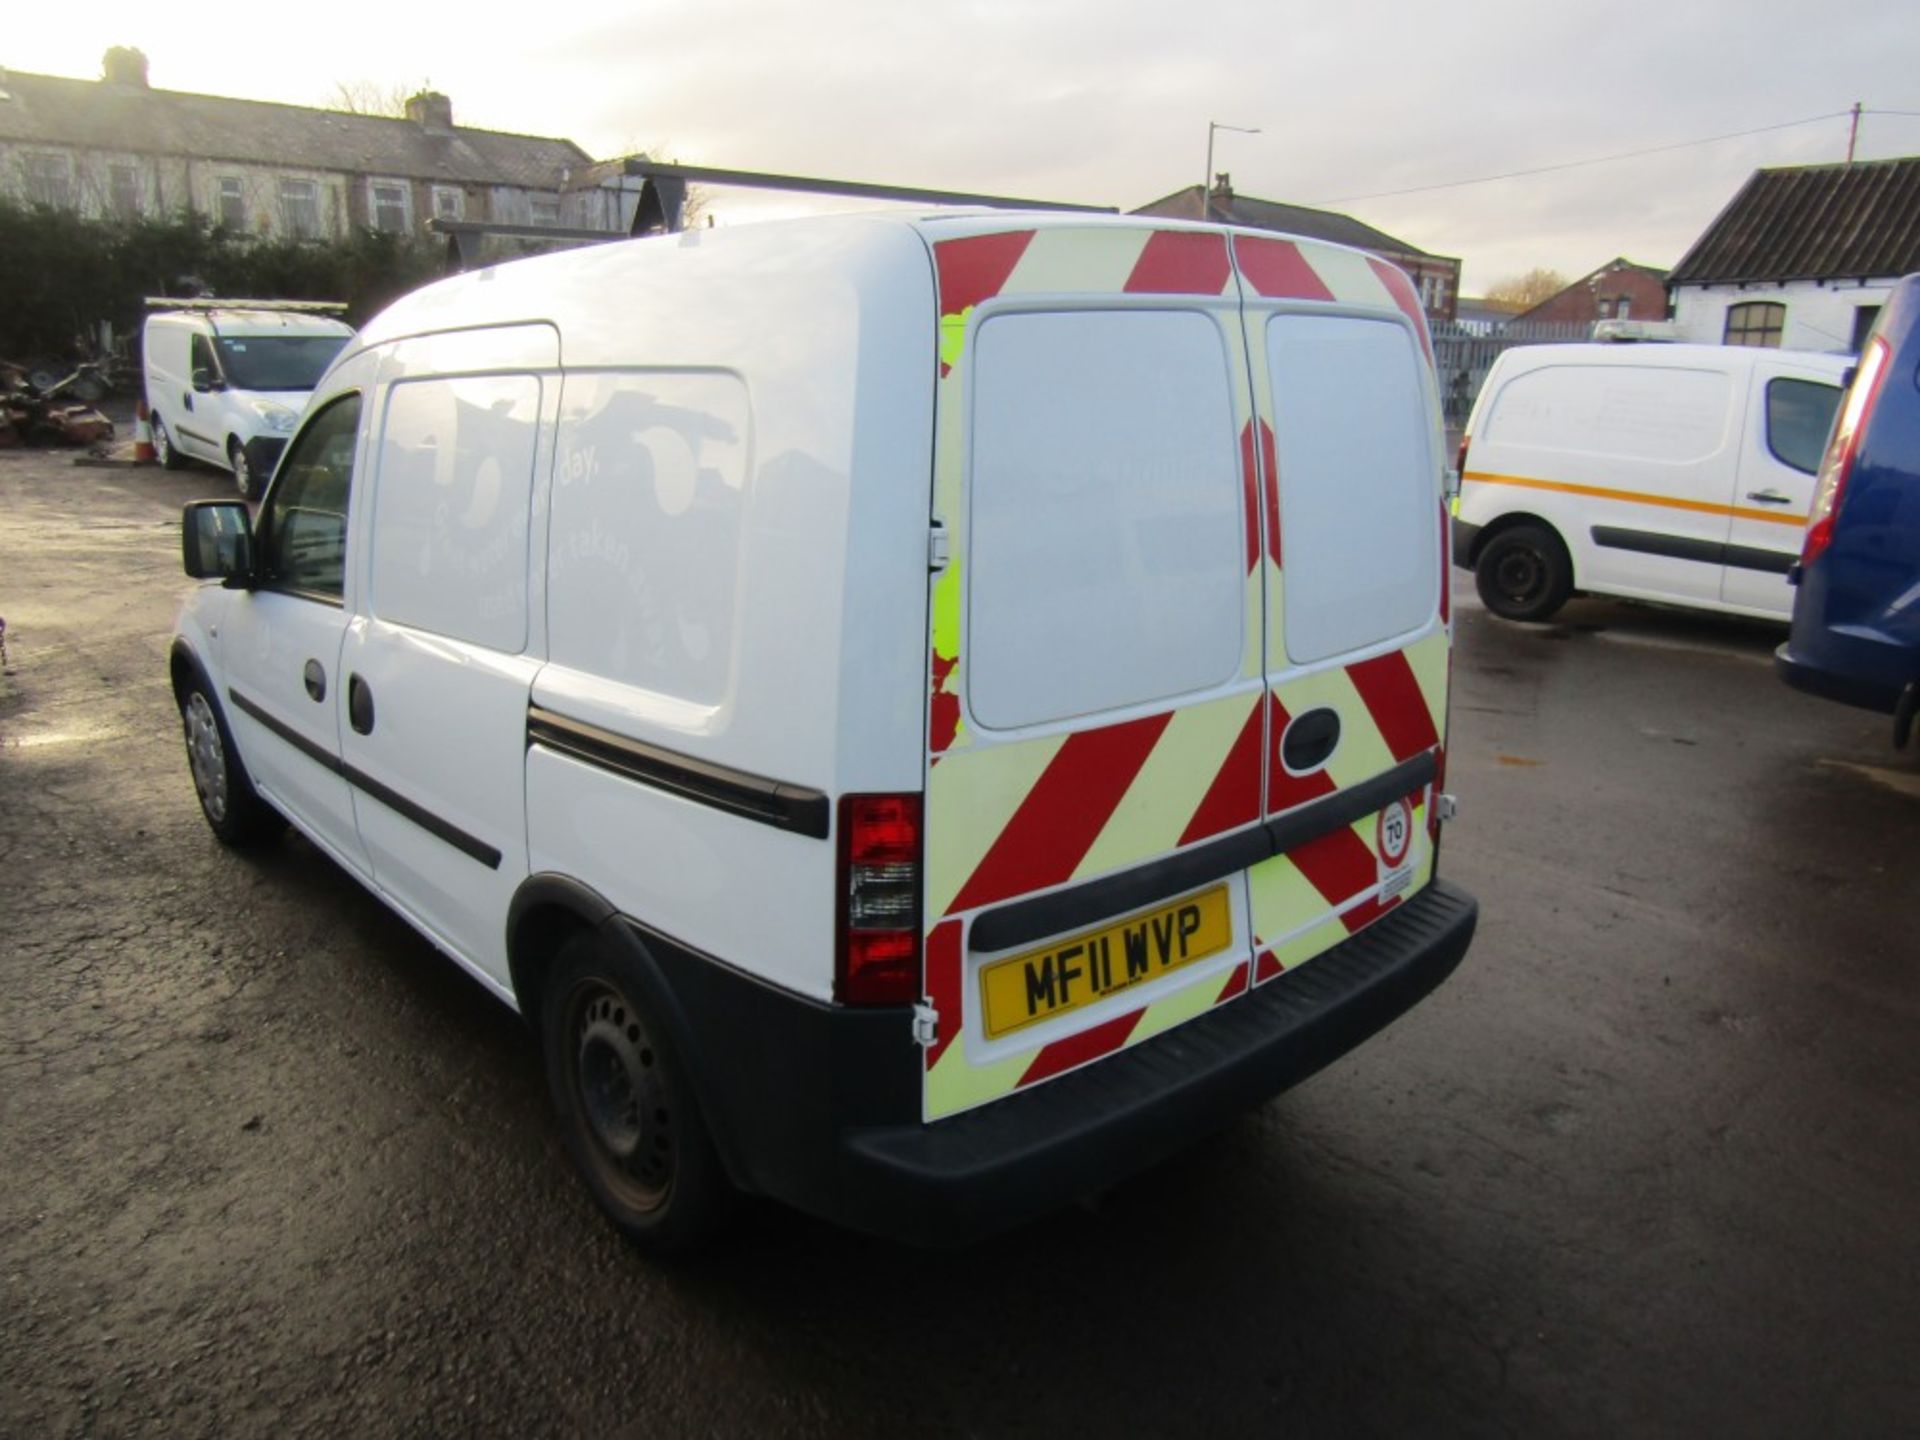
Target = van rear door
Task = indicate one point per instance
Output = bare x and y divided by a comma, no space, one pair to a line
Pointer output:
1097,665
1356,625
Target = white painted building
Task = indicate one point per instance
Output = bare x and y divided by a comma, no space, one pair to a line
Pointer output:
1801,258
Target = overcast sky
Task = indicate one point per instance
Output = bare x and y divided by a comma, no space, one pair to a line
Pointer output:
1107,101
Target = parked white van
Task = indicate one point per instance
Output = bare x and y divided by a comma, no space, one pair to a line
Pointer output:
1681,473
838,681
226,380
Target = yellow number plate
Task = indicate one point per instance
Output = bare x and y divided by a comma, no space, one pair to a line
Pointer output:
1026,989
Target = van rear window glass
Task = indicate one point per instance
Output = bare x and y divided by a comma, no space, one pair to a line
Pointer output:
451,506
645,529
1799,414
1359,487
277,362
1106,564
1631,411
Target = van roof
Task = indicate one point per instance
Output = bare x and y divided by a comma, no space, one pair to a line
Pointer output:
1657,354
255,322
841,252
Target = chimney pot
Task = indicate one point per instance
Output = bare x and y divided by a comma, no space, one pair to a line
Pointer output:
431,111
124,65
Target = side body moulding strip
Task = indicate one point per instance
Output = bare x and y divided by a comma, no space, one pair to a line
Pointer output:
1708,552
453,835
754,797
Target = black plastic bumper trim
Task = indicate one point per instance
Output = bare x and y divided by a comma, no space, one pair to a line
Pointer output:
1025,921
739,792
1838,685
444,830
961,1178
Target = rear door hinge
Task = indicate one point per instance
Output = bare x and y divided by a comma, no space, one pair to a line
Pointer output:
938,549
926,1025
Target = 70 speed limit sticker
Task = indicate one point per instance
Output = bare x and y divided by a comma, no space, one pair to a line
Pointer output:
1393,843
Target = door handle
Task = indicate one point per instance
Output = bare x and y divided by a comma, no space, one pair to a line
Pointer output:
359,705
315,680
186,399
1769,497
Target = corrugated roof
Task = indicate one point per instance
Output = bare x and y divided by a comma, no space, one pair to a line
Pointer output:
54,110
1245,210
1813,222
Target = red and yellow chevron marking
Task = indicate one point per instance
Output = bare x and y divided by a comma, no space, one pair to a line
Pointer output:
1017,816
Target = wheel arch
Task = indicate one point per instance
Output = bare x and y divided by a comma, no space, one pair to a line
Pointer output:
548,911
1514,519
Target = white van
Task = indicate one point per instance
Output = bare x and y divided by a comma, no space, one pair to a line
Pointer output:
838,680
1681,473
226,380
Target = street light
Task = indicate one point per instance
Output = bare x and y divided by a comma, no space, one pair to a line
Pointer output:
1206,180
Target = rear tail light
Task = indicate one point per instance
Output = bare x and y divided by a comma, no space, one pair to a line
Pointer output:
879,950
1460,459
1837,466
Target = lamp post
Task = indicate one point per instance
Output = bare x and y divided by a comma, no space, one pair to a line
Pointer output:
1206,180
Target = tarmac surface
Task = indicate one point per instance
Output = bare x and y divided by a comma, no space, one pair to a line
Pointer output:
1648,1163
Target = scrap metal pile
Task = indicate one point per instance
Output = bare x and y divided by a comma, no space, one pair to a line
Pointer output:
37,409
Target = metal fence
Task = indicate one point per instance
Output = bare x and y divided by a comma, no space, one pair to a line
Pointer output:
1462,355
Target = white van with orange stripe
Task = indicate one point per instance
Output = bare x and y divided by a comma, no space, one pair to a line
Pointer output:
1680,473
924,715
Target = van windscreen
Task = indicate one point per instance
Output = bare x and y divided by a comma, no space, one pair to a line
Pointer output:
277,362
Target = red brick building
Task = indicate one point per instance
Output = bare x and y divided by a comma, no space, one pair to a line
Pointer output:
1435,277
1618,290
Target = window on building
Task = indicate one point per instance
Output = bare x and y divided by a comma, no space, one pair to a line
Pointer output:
128,195
1622,307
232,202
1863,319
300,209
49,179
1757,322
449,202
389,206
543,209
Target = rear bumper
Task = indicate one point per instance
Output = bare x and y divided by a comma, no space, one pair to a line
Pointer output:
827,1127
1869,691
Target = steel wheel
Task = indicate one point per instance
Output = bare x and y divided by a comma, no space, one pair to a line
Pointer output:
1523,573
616,1075
206,757
628,1113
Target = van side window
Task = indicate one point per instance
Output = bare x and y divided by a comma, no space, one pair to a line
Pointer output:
452,489
1359,501
304,525
1799,414
201,358
1104,513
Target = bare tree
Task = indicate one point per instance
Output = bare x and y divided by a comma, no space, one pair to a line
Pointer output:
369,97
1523,292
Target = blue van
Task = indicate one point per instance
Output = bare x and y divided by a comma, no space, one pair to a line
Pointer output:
1856,615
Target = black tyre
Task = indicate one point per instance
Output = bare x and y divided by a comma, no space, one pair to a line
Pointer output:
628,1115
163,451
249,480
1524,573
236,815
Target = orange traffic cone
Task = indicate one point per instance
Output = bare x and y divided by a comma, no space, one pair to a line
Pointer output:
143,451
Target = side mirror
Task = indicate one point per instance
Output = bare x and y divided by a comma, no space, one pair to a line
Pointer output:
216,540
205,380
